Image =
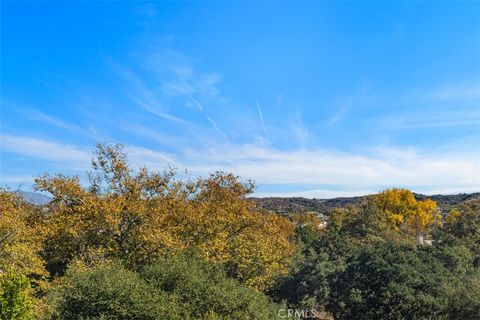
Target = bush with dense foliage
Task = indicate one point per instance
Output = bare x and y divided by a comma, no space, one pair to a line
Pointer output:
179,287
389,282
109,291
16,300
21,238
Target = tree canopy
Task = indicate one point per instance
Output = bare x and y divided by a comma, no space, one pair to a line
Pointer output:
141,216
137,244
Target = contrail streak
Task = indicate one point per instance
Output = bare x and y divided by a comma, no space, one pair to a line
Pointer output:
212,122
261,117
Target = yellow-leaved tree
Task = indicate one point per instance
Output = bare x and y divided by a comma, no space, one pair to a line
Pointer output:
403,211
20,237
391,214
138,216
22,269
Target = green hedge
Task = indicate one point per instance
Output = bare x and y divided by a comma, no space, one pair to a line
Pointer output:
181,287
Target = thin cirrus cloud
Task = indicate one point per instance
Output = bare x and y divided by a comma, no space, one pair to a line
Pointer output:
439,119
360,174
351,174
347,173
76,157
203,145
42,117
298,129
327,193
16,181
43,149
338,115
380,168
190,86
183,84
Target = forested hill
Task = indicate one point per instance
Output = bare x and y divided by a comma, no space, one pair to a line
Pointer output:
299,204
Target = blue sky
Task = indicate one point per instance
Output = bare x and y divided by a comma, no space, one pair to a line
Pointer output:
316,99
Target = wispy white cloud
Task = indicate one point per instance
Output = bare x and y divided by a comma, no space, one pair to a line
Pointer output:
430,95
44,149
145,98
338,115
328,194
446,106
348,173
156,111
154,135
436,119
40,116
298,128
152,159
15,181
185,83
450,92
188,85
142,96
78,157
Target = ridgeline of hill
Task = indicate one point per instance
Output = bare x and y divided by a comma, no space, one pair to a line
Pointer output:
299,204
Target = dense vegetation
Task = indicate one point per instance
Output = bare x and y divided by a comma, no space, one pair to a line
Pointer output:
180,287
299,204
368,263
147,245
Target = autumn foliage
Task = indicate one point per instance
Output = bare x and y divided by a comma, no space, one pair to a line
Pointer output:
141,216
137,244
402,210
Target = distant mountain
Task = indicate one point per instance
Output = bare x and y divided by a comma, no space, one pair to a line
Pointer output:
447,201
35,198
299,204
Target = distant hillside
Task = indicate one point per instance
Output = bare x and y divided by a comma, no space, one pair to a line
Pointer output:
35,198
445,202
299,204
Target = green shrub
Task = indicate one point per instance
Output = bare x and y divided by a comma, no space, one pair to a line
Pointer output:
463,296
390,282
111,292
181,287
15,300
206,290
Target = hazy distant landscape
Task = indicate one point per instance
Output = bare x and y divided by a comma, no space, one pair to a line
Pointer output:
291,205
